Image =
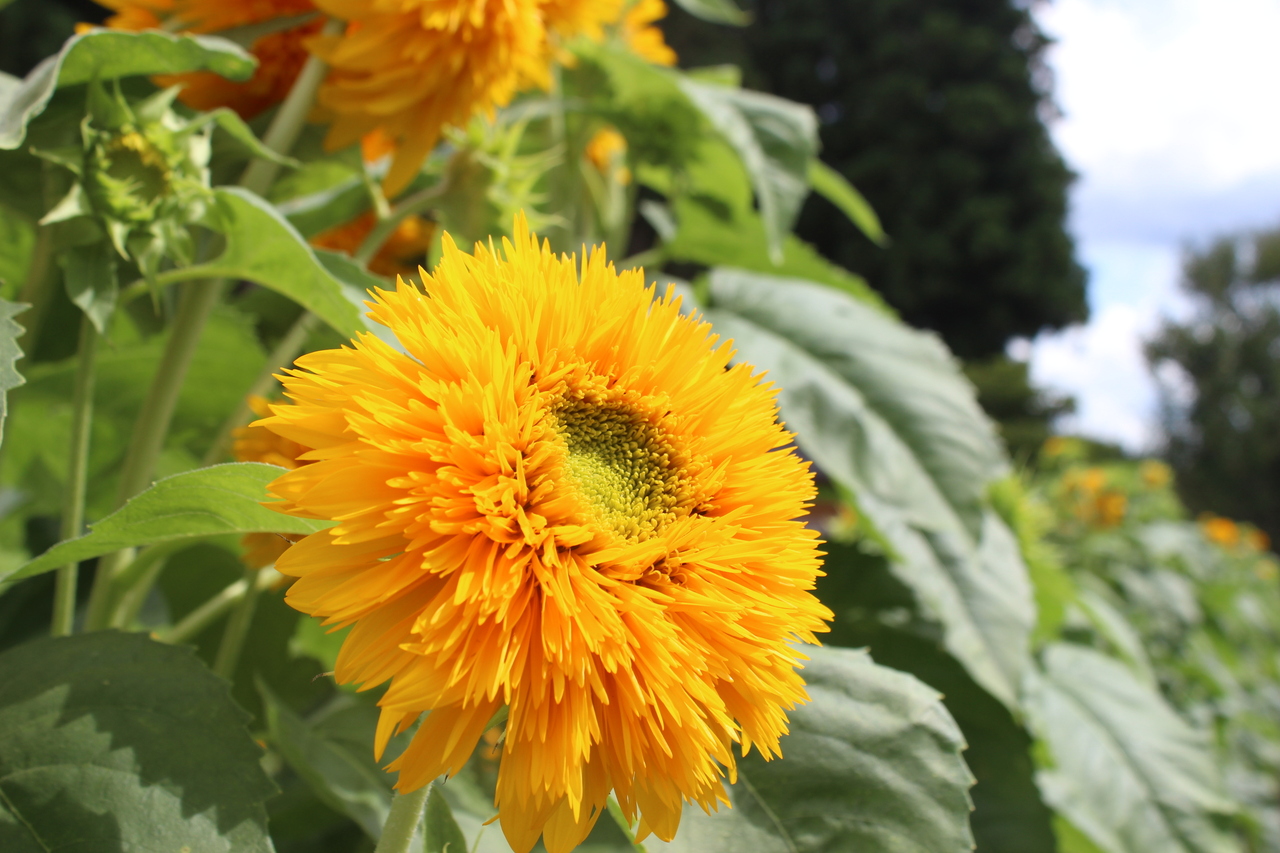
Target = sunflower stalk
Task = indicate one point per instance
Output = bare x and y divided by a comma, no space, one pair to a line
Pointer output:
64,596
237,629
195,306
384,228
217,607
402,822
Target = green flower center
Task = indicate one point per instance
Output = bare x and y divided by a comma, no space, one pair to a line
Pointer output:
623,467
136,164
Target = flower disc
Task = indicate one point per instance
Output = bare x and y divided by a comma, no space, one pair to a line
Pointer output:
560,497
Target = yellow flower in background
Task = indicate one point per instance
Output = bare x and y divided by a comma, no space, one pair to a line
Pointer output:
1109,509
1155,474
408,68
1219,530
1257,540
255,443
280,55
640,34
399,255
607,151
561,498
569,18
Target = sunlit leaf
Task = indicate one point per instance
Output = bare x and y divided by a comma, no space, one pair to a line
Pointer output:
114,743
10,352
716,11
833,186
107,54
872,764
198,504
1126,770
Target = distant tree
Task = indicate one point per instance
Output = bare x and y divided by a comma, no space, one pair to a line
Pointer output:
935,110
1023,413
1219,374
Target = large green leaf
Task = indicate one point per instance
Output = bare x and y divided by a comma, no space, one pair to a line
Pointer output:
107,54
776,140
261,246
1126,770
10,352
111,743
195,505
872,765
883,411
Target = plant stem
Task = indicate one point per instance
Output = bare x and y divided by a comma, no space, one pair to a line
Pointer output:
415,203
402,822
233,636
141,577
64,596
289,120
215,608
281,357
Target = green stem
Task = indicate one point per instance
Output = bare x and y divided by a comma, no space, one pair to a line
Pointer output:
281,357
64,596
237,629
37,289
415,203
290,119
402,822
137,581
215,608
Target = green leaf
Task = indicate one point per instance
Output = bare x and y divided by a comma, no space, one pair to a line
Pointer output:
872,764
716,11
108,54
17,242
833,186
111,743
261,246
884,411
234,126
89,273
194,505
340,771
776,140
1126,770
10,352
442,832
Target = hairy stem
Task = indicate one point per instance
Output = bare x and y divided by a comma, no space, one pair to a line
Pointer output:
402,822
290,119
64,596
217,607
237,629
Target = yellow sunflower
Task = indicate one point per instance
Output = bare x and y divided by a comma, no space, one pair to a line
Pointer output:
411,67
562,498
640,34
570,18
280,55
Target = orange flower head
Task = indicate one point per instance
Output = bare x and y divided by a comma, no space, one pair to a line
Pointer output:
1155,474
254,443
280,55
607,151
397,256
560,497
568,18
412,67
645,39
1220,531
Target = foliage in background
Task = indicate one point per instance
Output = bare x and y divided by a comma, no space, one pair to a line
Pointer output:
1219,373
936,111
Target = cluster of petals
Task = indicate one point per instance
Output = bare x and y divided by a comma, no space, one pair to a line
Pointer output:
556,495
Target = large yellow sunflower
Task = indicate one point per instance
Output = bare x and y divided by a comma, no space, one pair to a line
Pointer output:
560,497
410,67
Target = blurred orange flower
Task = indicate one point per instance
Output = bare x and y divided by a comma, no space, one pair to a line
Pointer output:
1155,474
1219,530
259,444
607,152
644,39
400,255
280,54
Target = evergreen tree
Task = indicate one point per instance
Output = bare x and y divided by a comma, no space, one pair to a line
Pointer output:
1220,378
935,110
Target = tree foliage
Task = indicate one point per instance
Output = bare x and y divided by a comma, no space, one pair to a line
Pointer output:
936,112
1220,372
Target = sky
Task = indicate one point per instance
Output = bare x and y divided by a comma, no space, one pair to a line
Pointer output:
1169,120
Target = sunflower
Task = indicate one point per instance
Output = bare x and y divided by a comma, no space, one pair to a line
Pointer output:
280,54
570,18
562,498
410,67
